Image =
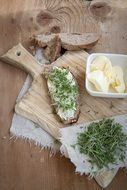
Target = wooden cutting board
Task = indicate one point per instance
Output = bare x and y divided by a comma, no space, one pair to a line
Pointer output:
36,103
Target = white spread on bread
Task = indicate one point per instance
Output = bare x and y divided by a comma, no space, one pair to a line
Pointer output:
66,114
63,89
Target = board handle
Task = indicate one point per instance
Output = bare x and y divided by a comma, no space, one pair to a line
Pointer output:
21,58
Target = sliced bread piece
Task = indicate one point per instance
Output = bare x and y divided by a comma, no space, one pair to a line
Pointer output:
42,40
70,41
78,41
64,93
53,49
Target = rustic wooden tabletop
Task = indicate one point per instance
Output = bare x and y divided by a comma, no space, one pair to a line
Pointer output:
25,167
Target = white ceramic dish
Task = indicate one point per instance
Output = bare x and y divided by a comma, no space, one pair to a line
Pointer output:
116,59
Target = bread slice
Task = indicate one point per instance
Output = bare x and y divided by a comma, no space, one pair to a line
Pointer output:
78,41
70,41
42,40
53,49
64,93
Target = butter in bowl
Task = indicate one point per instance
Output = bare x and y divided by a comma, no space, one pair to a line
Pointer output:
106,75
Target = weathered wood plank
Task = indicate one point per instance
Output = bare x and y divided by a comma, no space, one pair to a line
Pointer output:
22,167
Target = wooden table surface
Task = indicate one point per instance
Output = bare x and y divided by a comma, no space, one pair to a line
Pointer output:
25,167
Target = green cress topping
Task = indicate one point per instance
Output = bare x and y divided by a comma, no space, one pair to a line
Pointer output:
104,142
64,89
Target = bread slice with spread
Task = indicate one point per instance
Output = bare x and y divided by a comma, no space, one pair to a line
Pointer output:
64,92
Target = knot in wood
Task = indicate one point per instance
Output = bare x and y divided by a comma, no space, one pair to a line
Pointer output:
44,18
55,29
100,9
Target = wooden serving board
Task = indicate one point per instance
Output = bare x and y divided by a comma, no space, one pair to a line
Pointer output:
36,103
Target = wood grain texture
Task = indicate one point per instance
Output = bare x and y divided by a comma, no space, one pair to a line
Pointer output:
22,167
19,57
36,103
